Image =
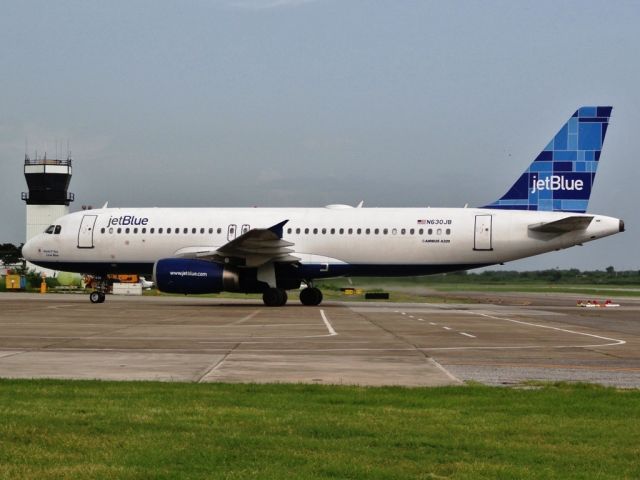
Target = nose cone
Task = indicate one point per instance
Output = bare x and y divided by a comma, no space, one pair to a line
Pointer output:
29,250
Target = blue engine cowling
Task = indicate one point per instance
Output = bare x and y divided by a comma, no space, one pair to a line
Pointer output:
186,275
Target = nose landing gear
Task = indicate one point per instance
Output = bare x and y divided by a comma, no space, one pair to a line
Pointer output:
101,286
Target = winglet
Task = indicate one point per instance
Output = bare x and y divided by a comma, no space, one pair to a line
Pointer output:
278,228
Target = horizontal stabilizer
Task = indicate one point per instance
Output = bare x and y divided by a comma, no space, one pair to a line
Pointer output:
568,224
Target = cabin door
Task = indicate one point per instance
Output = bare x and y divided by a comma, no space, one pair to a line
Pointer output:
85,234
482,238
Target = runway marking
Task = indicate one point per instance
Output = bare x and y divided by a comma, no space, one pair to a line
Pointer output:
467,334
434,324
447,328
332,332
615,341
244,319
421,320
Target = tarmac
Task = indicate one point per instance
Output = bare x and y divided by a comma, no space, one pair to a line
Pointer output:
503,339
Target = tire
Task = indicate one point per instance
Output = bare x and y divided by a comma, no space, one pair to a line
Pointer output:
102,297
274,297
96,297
311,296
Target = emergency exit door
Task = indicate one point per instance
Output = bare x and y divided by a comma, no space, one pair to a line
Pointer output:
85,234
482,235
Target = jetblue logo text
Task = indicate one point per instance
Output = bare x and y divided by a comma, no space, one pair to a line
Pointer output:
555,182
127,220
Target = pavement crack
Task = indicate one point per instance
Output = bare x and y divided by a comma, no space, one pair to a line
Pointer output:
217,364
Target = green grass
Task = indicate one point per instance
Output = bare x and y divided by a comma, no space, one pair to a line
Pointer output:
66,429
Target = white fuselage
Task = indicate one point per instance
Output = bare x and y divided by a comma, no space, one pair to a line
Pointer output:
341,240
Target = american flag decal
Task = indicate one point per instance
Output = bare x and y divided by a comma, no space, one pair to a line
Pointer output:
422,221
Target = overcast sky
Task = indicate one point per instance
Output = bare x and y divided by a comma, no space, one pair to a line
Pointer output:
306,103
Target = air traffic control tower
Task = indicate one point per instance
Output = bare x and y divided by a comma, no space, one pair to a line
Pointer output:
47,198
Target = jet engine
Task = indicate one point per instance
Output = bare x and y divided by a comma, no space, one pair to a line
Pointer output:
186,275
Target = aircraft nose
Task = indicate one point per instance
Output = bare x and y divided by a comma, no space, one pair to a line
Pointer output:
28,250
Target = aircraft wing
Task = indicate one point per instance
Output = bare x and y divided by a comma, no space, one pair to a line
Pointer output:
564,225
253,248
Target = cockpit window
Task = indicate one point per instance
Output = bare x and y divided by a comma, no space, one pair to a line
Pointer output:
57,230
50,229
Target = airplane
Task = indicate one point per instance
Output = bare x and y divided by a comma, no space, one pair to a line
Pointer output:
273,250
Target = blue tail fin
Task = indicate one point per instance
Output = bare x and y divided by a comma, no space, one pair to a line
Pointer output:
561,177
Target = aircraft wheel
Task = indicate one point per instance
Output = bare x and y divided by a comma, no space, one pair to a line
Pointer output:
102,297
274,297
311,296
96,297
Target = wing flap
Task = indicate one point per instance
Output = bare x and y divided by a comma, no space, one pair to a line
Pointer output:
257,246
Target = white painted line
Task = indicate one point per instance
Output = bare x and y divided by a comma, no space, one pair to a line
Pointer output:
244,319
421,320
615,340
467,334
411,316
434,324
447,328
403,313
332,332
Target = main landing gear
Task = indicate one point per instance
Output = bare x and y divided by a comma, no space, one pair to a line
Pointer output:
311,296
274,297
277,297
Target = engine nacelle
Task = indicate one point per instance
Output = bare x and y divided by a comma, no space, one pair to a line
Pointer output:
186,275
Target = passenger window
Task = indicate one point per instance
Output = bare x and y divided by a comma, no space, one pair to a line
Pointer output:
185,230
421,231
341,231
135,230
350,231
144,230
119,230
439,231
297,230
376,231
50,229
430,231
367,231
306,231
315,231
394,231
359,231
210,230
333,231
127,230
152,230
168,230
160,230
219,230
111,230
102,230
289,230
448,231
403,231
324,230
412,231
385,231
